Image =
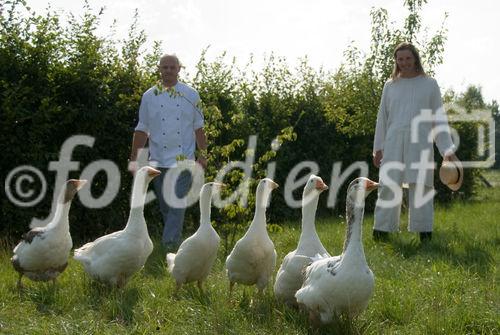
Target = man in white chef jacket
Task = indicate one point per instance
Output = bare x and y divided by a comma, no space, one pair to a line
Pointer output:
171,118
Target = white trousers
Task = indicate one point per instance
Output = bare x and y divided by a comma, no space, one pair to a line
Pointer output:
387,217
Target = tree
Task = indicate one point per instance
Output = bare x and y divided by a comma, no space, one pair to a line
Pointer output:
354,93
472,99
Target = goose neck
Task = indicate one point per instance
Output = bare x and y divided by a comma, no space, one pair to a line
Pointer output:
259,219
308,233
61,215
136,222
205,208
353,245
309,214
139,191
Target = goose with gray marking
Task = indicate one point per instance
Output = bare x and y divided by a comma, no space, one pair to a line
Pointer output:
43,252
342,284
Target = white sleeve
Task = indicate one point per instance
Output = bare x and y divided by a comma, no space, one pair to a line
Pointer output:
441,128
142,124
380,129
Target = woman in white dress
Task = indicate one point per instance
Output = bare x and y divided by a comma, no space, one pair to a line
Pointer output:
409,120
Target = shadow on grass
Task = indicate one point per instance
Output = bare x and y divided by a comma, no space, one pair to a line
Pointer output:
96,292
258,308
190,291
265,309
113,303
452,247
339,325
155,265
293,315
44,296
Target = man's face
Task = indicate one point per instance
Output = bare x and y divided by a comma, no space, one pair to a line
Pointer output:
405,61
169,69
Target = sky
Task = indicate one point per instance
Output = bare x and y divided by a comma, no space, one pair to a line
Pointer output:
320,29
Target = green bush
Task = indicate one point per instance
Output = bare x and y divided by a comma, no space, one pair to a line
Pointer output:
58,82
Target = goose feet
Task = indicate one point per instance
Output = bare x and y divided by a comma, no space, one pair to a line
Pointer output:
20,285
314,319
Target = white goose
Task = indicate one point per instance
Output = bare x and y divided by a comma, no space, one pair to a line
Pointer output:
290,275
197,254
44,251
342,284
114,258
253,257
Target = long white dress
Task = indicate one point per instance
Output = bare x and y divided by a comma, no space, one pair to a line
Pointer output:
404,100
410,119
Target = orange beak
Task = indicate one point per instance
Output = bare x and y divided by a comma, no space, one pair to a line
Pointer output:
320,185
371,185
78,183
153,172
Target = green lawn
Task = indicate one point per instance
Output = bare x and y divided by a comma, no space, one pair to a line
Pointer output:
449,286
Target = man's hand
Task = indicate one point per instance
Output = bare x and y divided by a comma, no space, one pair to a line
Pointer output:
377,158
202,161
132,167
450,157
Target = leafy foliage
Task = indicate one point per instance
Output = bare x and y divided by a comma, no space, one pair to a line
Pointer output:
60,80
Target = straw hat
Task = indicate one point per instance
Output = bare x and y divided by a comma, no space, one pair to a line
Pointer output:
451,174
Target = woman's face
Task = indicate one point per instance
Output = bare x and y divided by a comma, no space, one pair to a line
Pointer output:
406,62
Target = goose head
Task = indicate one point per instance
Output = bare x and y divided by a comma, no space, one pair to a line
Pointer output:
206,192
70,188
264,189
359,189
144,176
313,188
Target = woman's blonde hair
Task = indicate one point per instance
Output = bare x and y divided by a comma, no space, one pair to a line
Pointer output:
414,51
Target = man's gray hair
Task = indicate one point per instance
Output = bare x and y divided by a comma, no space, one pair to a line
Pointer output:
174,56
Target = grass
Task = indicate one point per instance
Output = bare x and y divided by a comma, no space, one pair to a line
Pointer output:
449,286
